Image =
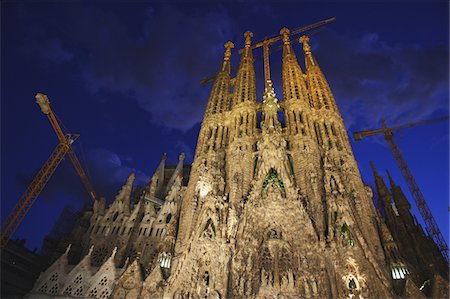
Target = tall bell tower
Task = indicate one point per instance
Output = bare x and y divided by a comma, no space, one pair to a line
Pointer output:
275,211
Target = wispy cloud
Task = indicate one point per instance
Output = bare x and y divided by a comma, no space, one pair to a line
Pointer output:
107,171
373,80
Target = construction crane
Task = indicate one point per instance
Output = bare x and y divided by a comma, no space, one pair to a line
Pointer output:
430,224
266,42
38,183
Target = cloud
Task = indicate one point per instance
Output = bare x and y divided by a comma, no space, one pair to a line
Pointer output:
182,147
110,169
55,52
162,67
373,80
106,171
158,59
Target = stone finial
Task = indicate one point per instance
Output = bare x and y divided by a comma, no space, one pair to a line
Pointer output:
131,177
391,180
306,47
113,254
164,156
127,261
228,46
248,38
285,33
68,249
373,168
181,157
90,250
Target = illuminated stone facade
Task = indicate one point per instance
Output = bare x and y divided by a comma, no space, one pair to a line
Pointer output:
273,209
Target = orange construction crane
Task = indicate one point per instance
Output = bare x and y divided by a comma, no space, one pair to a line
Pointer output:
430,224
266,42
16,216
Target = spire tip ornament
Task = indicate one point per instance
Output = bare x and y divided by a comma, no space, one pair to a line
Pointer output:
306,47
248,38
285,33
228,46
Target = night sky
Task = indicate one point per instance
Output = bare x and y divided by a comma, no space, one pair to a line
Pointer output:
126,77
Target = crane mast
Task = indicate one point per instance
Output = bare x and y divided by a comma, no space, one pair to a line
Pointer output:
38,183
430,224
25,202
265,43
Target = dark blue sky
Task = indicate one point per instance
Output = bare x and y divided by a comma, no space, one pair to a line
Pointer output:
126,77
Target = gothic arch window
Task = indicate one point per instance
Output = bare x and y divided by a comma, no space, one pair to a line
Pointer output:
333,130
99,255
205,278
209,231
333,184
346,236
284,260
266,258
399,271
164,260
327,133
131,254
168,217
274,234
115,216
352,283
272,177
310,101
318,134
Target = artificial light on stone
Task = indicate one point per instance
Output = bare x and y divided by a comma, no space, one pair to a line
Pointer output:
203,188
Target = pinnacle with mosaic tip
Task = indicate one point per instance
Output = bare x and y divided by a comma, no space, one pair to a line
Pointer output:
306,47
248,38
228,46
285,33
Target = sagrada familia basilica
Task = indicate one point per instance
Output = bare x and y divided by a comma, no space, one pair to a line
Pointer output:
274,207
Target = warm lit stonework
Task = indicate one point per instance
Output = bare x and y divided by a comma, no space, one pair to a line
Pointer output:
273,209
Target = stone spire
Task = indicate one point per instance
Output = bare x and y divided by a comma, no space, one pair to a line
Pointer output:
177,173
157,181
219,100
385,197
270,108
318,86
401,202
294,85
310,61
124,195
391,181
245,87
